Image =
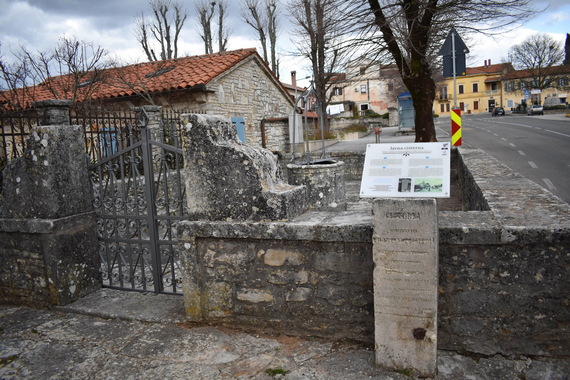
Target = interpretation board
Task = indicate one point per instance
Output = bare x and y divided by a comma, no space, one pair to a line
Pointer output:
405,254
410,170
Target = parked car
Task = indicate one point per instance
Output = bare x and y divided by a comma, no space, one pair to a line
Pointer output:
535,109
498,111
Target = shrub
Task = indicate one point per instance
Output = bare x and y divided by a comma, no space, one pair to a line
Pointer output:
315,134
355,128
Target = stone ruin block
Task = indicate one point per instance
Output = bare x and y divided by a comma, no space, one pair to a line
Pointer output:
51,179
228,180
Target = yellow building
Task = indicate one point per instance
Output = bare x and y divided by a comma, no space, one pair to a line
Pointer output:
480,90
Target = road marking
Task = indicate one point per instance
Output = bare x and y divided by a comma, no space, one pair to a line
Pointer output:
522,153
533,165
517,124
513,145
549,184
558,133
504,139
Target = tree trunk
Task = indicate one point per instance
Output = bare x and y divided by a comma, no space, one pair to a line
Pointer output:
423,95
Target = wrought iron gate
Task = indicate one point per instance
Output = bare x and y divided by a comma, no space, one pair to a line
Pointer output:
138,195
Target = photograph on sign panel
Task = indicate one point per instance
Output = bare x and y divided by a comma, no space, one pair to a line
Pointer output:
428,185
404,185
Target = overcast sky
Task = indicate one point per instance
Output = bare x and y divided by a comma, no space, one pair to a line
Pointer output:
110,23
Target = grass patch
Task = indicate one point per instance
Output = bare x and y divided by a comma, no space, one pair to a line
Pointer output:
276,371
404,371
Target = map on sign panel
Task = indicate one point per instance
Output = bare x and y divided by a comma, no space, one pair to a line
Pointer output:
414,170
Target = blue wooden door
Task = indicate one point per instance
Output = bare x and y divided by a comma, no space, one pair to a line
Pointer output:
240,126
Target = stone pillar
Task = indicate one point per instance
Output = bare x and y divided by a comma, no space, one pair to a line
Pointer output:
405,254
151,118
53,112
48,241
151,123
51,179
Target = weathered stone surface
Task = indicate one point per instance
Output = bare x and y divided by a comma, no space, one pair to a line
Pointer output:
53,111
146,339
48,243
405,284
48,266
502,269
228,180
51,180
324,183
319,287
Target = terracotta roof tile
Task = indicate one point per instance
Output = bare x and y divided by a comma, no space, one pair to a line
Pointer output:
157,76
488,69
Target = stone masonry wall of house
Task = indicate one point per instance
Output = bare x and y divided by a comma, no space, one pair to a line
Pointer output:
247,91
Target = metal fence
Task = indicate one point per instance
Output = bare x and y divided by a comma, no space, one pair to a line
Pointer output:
105,131
14,130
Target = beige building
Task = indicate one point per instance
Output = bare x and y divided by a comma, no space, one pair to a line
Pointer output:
365,85
480,90
548,87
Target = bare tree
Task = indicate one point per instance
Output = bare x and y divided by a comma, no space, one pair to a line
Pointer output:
253,15
538,54
223,32
72,70
411,31
205,11
320,25
162,29
567,50
261,15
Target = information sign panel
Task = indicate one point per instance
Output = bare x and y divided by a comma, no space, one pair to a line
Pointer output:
409,170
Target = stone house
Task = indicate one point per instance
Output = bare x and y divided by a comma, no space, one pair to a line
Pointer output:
235,84
479,90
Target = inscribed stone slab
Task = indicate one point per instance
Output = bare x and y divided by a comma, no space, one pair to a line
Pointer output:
405,284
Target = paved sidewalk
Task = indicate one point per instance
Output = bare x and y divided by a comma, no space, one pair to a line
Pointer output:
114,334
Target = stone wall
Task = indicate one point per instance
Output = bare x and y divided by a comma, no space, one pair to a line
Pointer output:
343,122
312,277
276,135
48,262
502,270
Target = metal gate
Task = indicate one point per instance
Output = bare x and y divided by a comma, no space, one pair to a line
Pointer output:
138,194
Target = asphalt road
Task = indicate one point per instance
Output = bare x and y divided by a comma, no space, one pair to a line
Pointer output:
537,147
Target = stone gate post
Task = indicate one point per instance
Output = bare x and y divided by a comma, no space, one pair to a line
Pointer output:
48,242
151,119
